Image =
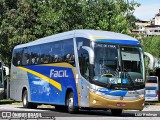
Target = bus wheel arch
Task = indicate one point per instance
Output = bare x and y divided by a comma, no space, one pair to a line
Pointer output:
69,101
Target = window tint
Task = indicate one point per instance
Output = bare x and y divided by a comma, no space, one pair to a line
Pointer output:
60,51
56,53
25,56
83,56
17,57
68,52
34,52
14,59
46,50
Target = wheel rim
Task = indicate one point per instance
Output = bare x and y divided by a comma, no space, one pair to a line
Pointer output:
70,102
25,99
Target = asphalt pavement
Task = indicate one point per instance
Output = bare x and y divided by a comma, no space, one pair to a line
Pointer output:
48,112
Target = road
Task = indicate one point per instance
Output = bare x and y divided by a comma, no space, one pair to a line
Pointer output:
153,112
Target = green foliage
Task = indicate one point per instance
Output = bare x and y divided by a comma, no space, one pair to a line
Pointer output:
22,21
152,45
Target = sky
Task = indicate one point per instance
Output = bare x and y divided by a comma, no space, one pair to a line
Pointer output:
147,9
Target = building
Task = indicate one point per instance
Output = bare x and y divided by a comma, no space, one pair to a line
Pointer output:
148,28
157,18
152,30
141,27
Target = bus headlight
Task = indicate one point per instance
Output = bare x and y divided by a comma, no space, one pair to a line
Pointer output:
97,92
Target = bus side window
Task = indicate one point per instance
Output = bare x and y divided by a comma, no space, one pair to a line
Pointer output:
35,54
17,58
25,56
83,56
68,52
57,52
45,53
14,59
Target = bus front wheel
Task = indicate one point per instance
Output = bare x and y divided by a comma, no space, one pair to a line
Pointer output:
70,103
25,102
116,112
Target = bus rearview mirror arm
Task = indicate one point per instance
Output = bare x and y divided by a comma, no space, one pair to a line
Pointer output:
91,54
151,60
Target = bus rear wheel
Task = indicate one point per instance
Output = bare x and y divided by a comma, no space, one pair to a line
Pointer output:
70,103
25,102
116,112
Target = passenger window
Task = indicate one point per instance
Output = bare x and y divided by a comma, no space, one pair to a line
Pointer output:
57,52
68,52
17,57
83,56
14,59
46,50
25,56
35,54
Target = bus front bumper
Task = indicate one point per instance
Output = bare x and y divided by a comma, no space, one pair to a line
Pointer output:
97,101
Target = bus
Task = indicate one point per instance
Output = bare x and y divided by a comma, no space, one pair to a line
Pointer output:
152,88
80,69
4,71
1,81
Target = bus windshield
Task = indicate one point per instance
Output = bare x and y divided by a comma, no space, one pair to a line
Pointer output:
118,66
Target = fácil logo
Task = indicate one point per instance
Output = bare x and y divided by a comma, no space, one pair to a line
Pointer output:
58,73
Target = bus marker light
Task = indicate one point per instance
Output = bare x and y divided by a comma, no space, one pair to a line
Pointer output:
94,101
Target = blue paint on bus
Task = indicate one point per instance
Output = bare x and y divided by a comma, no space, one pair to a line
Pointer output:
123,42
42,91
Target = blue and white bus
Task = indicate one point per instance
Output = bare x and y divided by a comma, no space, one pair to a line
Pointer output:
152,88
80,69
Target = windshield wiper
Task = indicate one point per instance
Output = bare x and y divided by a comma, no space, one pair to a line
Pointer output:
109,85
129,77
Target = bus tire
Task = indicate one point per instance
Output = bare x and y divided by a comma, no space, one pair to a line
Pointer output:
27,104
60,108
70,104
116,112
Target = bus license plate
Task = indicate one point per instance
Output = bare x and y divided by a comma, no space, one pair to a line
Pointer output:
121,104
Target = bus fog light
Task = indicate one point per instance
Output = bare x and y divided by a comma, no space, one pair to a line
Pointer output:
94,101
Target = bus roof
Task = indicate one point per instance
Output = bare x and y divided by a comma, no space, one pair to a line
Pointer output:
90,34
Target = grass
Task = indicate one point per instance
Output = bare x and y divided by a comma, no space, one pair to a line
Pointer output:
9,101
152,103
6,101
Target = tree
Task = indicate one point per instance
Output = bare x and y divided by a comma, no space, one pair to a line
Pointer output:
22,21
152,45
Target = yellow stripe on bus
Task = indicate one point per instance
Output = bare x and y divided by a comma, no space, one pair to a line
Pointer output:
52,82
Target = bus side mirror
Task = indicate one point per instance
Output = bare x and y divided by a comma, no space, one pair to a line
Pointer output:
5,71
151,60
91,54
